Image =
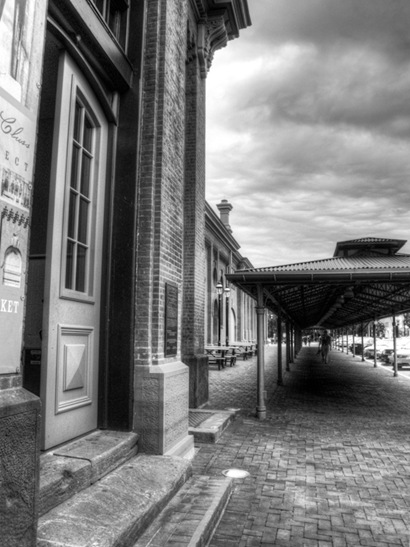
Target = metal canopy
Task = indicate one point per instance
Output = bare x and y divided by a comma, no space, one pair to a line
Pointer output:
365,279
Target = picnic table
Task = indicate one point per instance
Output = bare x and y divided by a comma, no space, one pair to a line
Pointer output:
245,349
221,356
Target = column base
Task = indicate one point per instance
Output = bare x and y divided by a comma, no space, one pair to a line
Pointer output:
161,410
261,413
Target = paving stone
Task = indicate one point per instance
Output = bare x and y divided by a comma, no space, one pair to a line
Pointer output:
329,466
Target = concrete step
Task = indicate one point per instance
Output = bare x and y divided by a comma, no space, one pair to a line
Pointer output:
190,519
118,508
208,425
76,465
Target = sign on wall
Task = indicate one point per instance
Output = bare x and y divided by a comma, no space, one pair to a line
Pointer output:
21,46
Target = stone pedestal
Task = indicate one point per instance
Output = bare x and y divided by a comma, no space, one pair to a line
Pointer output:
161,409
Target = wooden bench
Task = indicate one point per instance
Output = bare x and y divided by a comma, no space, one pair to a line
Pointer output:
240,351
230,357
221,356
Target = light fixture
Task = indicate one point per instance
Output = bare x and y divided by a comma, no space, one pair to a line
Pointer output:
235,473
227,290
349,293
219,287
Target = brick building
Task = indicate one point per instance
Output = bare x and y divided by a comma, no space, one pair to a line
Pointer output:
237,310
102,147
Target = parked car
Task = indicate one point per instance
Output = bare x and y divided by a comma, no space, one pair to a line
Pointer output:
358,348
369,353
403,358
385,355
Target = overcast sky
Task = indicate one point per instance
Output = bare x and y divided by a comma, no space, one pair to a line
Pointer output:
308,127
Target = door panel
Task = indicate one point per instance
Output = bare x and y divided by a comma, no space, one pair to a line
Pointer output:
71,321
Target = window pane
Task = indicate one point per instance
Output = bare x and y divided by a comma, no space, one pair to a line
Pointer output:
74,167
77,122
12,268
100,5
88,134
81,265
83,221
69,265
71,215
85,175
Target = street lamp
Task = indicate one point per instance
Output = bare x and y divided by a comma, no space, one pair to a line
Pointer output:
227,291
219,288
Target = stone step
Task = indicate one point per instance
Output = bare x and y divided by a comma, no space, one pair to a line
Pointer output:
208,425
190,519
117,509
76,465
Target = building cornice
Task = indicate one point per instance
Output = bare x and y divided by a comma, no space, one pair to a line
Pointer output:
218,22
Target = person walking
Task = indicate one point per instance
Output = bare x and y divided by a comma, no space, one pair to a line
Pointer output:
325,346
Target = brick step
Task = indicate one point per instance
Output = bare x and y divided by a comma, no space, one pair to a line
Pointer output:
191,517
118,508
208,425
76,465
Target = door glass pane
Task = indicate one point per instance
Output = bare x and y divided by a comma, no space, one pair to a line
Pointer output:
80,202
83,221
85,175
71,215
88,134
81,268
77,122
74,166
69,265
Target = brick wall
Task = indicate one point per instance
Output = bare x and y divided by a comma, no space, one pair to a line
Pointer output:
160,207
161,380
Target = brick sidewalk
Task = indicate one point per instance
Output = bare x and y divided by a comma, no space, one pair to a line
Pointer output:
330,466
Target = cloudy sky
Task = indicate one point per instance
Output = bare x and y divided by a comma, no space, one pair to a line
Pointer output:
308,127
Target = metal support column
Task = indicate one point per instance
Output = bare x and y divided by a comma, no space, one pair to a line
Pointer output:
260,324
395,373
374,344
362,343
279,333
292,342
287,345
353,342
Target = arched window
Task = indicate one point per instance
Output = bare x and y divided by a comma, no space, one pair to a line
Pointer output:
12,267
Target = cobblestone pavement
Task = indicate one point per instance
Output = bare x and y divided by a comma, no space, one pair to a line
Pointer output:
330,466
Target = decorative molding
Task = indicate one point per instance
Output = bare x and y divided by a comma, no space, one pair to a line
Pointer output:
212,35
75,357
15,217
218,22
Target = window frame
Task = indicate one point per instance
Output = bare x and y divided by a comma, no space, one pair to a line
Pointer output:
78,96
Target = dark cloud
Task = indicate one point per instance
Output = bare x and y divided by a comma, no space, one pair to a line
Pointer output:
309,126
379,24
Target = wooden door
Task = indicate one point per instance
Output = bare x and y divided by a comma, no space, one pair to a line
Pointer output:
71,320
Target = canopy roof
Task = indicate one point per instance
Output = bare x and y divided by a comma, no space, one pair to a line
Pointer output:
365,279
